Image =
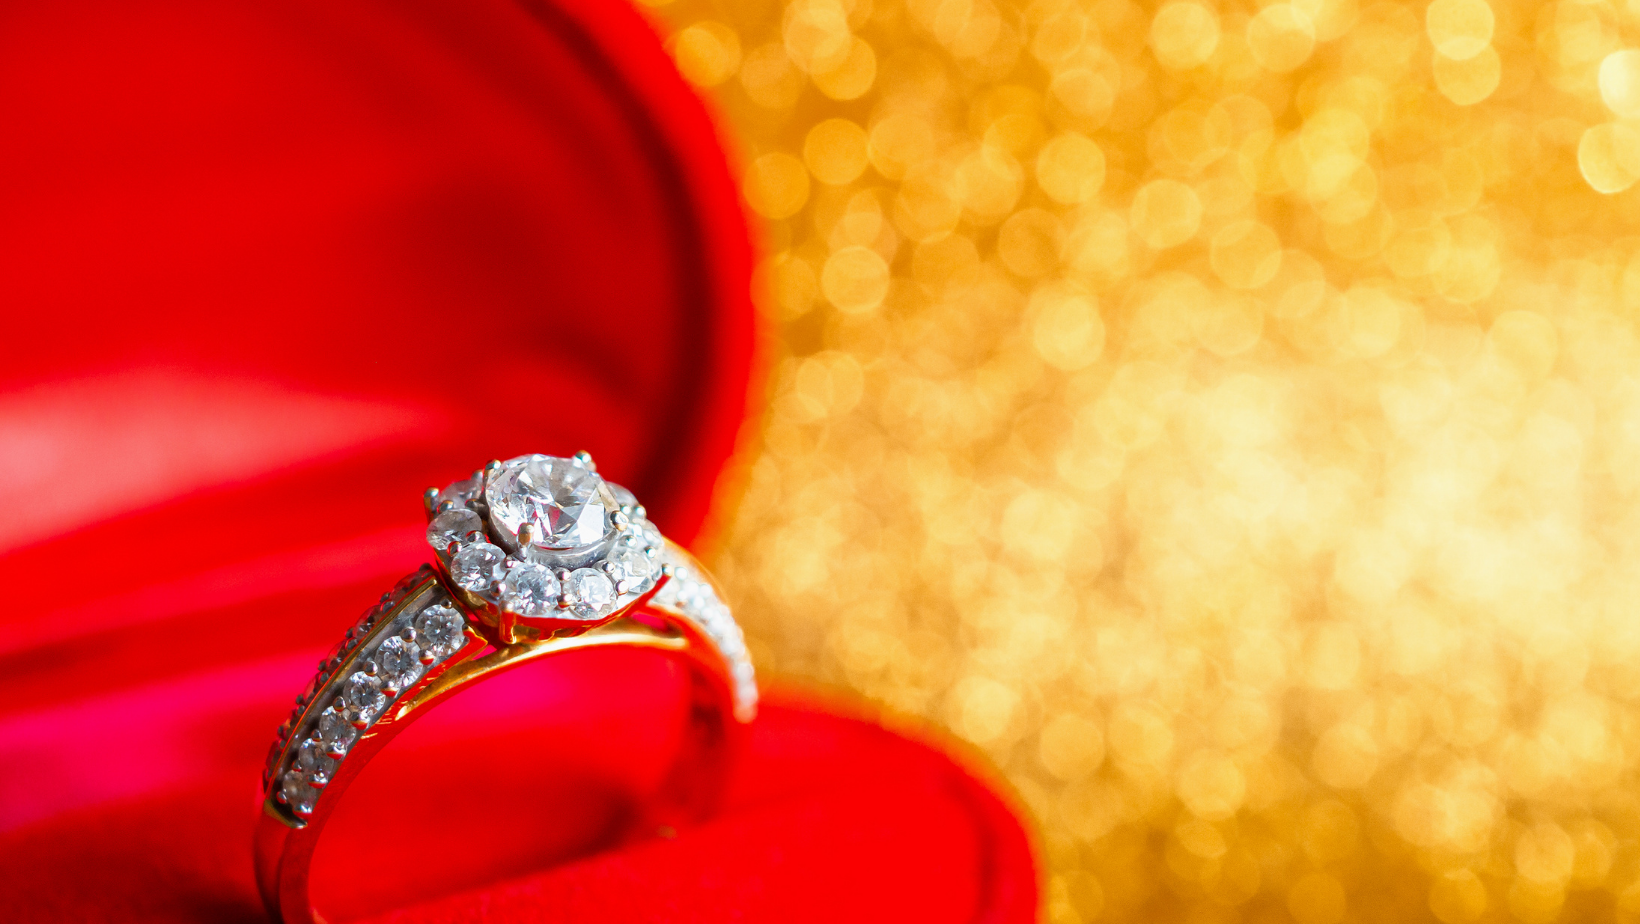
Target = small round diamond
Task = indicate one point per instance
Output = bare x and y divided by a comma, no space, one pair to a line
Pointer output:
631,565
461,493
439,628
337,731
591,593
298,794
651,534
399,662
622,496
530,590
312,758
453,526
362,694
477,567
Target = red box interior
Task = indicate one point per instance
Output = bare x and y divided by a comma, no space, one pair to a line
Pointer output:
266,271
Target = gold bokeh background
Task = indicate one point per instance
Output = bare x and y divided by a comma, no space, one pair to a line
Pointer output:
1227,417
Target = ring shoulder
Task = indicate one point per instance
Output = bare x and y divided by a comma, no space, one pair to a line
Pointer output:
407,639
690,593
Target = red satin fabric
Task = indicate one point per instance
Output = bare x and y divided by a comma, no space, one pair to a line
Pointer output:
266,271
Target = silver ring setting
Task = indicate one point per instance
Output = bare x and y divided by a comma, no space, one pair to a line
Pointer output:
528,550
544,541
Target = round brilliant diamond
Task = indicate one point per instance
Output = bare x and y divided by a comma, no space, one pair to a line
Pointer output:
399,662
439,628
362,694
630,564
651,535
453,526
461,493
337,731
622,496
591,593
567,506
530,590
477,567
312,758
298,794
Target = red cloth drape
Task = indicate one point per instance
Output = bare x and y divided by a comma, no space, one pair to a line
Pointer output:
266,271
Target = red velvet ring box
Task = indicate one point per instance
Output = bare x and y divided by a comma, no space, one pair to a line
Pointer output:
267,270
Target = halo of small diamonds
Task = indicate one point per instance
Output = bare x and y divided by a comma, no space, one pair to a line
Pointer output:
554,540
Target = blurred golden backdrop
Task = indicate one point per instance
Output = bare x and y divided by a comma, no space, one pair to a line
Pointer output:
1228,417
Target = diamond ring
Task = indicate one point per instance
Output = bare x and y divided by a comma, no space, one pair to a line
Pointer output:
535,556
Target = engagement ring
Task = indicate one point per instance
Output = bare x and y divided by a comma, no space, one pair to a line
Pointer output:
535,556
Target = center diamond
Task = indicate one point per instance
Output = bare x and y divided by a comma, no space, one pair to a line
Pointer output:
567,507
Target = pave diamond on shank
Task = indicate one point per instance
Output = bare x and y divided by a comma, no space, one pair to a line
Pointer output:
400,663
312,758
298,794
439,628
337,731
381,661
567,508
362,698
